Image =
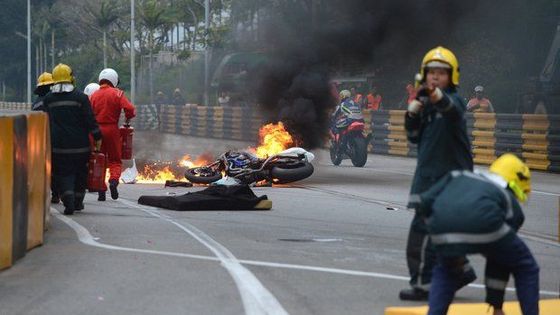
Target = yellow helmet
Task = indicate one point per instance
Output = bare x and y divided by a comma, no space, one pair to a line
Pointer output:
45,79
515,172
62,74
441,57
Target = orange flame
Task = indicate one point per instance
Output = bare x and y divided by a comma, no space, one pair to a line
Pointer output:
150,175
159,174
273,138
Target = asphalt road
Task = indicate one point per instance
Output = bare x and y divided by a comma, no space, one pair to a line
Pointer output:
332,244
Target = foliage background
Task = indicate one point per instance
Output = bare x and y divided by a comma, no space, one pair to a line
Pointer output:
500,44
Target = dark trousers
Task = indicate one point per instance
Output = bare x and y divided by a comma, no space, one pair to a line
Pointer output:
70,173
513,255
420,254
421,257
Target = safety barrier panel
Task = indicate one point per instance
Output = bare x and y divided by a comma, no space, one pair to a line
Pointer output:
25,180
535,138
234,123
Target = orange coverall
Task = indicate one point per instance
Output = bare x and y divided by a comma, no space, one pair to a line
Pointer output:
107,104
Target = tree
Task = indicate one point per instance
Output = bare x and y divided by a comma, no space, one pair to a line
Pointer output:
152,17
104,17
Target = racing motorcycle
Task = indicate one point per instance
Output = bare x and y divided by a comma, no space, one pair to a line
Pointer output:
350,143
285,167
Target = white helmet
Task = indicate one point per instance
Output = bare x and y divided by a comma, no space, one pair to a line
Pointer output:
109,75
90,88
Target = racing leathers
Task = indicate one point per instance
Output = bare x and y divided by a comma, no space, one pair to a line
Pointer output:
107,104
345,114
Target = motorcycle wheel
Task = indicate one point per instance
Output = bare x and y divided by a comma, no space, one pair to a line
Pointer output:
202,175
283,175
335,157
359,154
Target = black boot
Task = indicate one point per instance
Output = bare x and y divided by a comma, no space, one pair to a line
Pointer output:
414,294
68,201
113,183
79,202
55,198
101,196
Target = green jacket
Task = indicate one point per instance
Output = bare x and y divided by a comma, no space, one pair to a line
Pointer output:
440,131
469,212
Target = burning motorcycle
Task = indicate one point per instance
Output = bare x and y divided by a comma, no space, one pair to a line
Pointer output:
350,143
285,167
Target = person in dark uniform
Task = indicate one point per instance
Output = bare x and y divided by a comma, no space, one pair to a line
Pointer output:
435,121
44,83
71,121
479,213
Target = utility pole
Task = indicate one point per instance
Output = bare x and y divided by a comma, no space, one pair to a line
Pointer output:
206,55
29,51
52,49
132,63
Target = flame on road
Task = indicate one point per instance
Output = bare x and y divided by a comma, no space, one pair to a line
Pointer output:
273,138
152,175
160,172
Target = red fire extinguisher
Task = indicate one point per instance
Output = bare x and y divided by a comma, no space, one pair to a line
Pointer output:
126,138
96,171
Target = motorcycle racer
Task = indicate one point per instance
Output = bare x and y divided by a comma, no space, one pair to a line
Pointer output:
346,113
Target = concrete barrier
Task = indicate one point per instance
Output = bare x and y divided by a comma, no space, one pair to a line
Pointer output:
25,178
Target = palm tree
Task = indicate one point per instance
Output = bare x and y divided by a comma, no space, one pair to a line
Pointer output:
104,17
152,17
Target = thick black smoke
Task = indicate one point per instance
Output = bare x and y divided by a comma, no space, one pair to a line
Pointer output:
310,40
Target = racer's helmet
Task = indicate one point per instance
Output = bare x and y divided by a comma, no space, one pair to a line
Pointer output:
344,94
110,75
91,88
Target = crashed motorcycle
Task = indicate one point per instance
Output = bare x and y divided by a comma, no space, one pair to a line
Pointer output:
350,143
287,166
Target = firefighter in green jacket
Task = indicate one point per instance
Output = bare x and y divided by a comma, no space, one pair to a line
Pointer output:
469,213
435,121
71,121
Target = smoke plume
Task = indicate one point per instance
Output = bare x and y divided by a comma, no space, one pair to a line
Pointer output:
312,40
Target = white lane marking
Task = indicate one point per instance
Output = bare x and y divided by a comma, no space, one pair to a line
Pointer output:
255,297
412,174
538,239
86,238
545,193
361,273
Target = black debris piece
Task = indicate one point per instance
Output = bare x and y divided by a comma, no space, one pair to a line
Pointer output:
219,197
